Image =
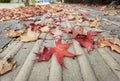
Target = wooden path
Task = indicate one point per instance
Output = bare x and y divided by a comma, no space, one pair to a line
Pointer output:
101,64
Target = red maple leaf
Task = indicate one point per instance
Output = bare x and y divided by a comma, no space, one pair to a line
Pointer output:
61,51
45,55
87,40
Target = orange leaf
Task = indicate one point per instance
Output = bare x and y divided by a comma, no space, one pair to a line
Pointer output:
102,42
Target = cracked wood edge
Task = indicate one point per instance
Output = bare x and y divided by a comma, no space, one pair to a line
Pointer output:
110,61
87,72
28,64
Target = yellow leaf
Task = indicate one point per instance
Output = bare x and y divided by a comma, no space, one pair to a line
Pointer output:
14,32
6,66
30,36
45,29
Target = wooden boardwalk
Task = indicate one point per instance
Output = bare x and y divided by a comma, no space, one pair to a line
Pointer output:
101,64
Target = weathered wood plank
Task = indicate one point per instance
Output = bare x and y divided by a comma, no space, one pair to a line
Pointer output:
87,72
41,70
101,69
114,54
16,48
73,71
20,57
4,41
28,64
110,61
9,48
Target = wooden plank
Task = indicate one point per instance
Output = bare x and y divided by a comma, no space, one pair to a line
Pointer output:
41,70
20,57
87,72
28,64
4,41
8,49
110,61
101,69
16,48
73,71
114,54
55,70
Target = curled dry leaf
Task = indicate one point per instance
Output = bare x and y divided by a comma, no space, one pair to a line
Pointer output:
81,19
45,29
14,32
71,17
30,35
115,41
6,65
94,22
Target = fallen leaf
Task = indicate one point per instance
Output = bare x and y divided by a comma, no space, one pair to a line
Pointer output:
35,27
66,30
6,65
94,22
71,17
81,19
30,35
87,40
77,31
14,32
45,55
112,13
60,50
45,29
103,8
102,42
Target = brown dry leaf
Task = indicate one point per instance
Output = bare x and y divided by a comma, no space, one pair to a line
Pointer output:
45,29
102,42
77,31
14,32
94,22
108,23
30,36
112,13
81,19
115,41
6,66
71,17
115,47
